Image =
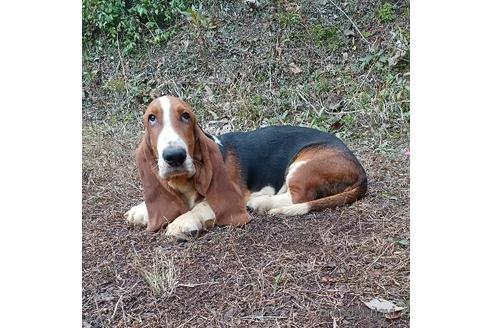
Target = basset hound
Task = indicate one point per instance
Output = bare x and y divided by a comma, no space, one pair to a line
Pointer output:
192,180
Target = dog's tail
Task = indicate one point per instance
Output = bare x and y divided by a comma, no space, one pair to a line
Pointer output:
349,195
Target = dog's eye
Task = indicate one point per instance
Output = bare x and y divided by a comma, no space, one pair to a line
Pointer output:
185,116
152,119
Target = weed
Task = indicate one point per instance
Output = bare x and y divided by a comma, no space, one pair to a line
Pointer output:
276,281
116,84
161,276
257,100
326,36
386,13
197,16
323,84
287,19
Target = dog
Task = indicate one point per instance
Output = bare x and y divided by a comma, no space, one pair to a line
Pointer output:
193,180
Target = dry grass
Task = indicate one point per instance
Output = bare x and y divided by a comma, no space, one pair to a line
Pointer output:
161,275
309,271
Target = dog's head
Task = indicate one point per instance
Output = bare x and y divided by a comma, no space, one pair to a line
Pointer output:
171,129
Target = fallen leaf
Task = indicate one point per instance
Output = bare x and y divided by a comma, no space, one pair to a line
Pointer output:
383,306
294,68
349,32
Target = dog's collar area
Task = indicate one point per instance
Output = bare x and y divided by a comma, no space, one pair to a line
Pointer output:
216,140
211,137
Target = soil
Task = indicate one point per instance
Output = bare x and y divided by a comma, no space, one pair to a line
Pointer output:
307,271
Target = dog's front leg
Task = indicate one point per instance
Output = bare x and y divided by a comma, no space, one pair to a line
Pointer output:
200,217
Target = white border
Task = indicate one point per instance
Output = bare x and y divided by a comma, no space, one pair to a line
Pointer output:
451,183
40,124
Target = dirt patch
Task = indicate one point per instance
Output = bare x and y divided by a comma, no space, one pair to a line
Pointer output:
305,271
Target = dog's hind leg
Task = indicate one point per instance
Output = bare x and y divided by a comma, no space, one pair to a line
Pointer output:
328,178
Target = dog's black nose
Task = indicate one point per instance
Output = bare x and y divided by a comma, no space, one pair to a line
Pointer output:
174,156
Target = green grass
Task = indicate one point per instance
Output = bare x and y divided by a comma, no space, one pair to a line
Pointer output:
386,13
288,19
326,36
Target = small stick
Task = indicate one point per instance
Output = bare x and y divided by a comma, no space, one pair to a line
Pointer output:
195,285
351,21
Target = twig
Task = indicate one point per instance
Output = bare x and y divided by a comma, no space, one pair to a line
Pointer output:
303,98
262,317
351,21
116,306
380,255
195,285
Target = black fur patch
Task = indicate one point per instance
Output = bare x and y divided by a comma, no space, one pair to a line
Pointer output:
266,153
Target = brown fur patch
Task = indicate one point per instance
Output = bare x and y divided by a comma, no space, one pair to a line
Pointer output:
327,172
163,205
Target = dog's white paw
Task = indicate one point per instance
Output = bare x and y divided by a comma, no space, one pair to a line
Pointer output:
138,215
260,204
184,225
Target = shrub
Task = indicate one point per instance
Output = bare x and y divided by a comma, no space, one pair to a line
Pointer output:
107,22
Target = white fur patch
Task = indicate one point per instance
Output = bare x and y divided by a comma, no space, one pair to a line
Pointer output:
292,168
264,203
282,190
138,215
197,219
169,137
295,209
217,141
265,191
265,200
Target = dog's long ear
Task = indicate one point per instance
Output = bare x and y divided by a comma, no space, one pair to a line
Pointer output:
203,162
212,180
163,206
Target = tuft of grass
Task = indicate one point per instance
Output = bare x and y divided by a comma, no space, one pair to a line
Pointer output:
161,275
276,281
288,19
386,13
323,84
326,36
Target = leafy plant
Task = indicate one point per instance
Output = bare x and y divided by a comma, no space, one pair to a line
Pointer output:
387,13
326,36
127,22
196,15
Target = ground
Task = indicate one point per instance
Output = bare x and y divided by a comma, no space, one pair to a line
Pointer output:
337,66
